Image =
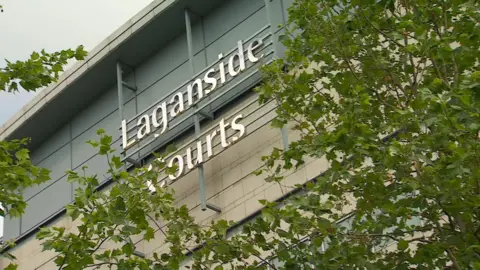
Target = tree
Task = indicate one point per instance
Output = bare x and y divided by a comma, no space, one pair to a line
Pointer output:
16,170
387,92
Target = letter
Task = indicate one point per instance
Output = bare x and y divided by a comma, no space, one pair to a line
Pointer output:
179,159
241,59
223,134
199,84
164,120
209,143
126,144
144,130
253,46
150,186
238,127
210,80
221,66
179,103
199,158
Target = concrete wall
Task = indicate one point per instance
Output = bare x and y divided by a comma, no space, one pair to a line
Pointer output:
66,149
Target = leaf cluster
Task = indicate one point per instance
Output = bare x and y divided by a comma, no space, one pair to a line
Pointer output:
40,70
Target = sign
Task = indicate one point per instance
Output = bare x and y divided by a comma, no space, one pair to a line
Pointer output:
158,119
192,161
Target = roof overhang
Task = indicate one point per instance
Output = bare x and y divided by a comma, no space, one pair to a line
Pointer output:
134,42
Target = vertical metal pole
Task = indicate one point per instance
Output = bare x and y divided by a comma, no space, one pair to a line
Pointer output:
120,90
268,8
285,138
189,40
196,120
120,99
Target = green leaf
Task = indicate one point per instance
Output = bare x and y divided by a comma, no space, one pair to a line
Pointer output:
35,56
149,234
402,245
72,211
128,249
11,267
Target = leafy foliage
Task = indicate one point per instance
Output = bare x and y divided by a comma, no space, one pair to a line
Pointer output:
40,70
16,170
17,173
387,92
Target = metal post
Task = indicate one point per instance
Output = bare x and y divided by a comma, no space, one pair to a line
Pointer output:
285,138
120,90
196,120
268,8
120,99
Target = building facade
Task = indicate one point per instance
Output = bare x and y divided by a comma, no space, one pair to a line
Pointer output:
179,72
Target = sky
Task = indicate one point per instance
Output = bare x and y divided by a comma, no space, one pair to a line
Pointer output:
33,25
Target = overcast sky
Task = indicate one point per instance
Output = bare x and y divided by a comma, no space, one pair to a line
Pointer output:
33,25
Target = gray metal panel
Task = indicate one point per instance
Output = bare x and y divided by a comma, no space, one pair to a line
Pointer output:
277,19
286,5
59,139
46,203
102,107
163,86
58,163
11,228
129,110
227,16
199,61
197,37
162,63
96,165
83,151
240,32
277,14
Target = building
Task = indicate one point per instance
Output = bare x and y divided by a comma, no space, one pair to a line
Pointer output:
178,72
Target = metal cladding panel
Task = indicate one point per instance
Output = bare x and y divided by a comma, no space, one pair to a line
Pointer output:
55,142
161,64
81,151
11,228
227,16
286,5
198,35
200,61
58,163
96,165
278,14
241,31
46,203
163,86
103,106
